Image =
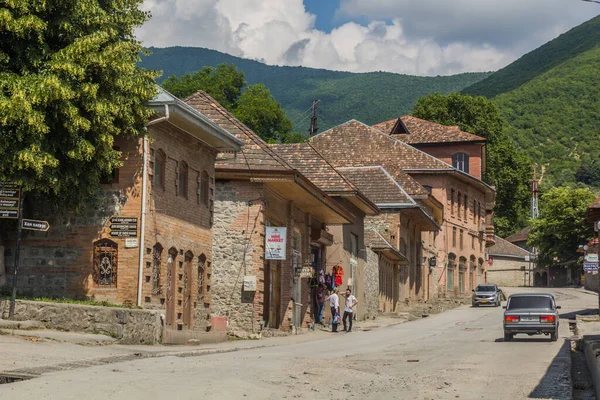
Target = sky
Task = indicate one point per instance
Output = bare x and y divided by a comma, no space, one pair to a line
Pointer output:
417,37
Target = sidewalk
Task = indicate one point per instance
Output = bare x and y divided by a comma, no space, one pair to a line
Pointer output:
33,352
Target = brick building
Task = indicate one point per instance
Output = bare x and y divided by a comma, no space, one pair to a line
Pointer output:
460,201
508,265
148,240
256,189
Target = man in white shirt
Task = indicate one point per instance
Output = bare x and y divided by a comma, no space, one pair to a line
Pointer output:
334,303
349,308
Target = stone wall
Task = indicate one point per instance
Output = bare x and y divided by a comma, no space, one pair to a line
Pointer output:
592,281
506,271
371,284
130,326
3,280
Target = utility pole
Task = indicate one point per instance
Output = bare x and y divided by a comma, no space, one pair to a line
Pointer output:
534,214
13,297
313,120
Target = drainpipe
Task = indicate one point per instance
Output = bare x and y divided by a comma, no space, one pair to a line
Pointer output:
143,214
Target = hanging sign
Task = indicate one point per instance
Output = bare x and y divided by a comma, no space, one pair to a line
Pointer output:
275,243
9,200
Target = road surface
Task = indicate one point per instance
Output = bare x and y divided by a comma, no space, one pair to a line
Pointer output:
457,354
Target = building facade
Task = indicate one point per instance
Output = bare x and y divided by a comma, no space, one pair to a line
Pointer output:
509,265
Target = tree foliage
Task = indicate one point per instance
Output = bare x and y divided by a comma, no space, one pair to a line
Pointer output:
69,83
508,168
561,227
254,105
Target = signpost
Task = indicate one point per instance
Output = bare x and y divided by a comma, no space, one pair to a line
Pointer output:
123,226
9,200
35,225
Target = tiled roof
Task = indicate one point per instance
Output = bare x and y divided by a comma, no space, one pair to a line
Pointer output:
595,204
354,144
255,154
306,159
505,248
377,240
377,184
421,131
519,236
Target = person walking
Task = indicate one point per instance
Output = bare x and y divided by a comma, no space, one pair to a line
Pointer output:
320,303
334,304
349,309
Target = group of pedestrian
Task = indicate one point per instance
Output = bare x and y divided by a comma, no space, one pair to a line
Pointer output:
334,304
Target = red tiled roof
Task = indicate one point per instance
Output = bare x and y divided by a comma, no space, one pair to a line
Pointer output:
355,144
377,184
255,154
421,131
306,159
503,247
520,236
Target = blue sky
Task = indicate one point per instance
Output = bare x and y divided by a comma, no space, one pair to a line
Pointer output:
417,37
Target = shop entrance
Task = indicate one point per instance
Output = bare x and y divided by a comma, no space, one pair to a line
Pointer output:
273,294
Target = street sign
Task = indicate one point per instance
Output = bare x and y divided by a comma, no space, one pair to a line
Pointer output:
9,200
590,266
123,227
591,257
35,225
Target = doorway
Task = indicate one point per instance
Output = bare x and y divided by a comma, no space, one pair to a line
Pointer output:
273,294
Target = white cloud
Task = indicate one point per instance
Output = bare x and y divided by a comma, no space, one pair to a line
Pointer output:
422,37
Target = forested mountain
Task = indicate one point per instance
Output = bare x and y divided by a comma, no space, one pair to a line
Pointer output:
368,97
551,99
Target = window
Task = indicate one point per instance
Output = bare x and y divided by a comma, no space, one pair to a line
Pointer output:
156,264
452,201
106,259
473,242
454,237
353,246
201,276
182,180
458,210
158,170
204,197
461,239
466,207
474,211
478,214
450,272
460,161
462,266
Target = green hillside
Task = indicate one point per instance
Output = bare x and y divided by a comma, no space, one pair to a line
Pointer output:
551,99
565,47
368,97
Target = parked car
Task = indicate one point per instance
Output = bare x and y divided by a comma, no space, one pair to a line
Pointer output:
531,313
487,294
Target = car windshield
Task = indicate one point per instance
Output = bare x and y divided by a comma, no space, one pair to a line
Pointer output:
485,289
530,302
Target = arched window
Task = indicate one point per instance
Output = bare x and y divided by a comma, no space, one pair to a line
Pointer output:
156,265
106,260
450,272
460,161
158,169
182,180
204,190
462,266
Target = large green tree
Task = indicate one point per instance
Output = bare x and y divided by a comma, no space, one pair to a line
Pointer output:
69,83
508,168
254,105
561,227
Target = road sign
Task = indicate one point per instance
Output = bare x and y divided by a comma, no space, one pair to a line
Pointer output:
9,200
591,257
123,227
35,225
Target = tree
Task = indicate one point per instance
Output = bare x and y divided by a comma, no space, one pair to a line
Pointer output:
69,84
561,227
508,168
254,105
223,83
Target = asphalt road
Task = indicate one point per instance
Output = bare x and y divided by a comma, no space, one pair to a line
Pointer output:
457,354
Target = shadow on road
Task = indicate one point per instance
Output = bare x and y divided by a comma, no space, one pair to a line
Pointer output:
556,383
573,314
524,339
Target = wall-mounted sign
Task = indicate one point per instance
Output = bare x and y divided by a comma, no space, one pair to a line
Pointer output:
250,283
131,243
35,225
9,200
591,257
123,226
275,243
590,266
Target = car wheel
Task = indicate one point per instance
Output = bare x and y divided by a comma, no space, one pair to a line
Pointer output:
498,303
554,336
508,337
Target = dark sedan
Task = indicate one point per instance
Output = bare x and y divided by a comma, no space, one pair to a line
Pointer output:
533,314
